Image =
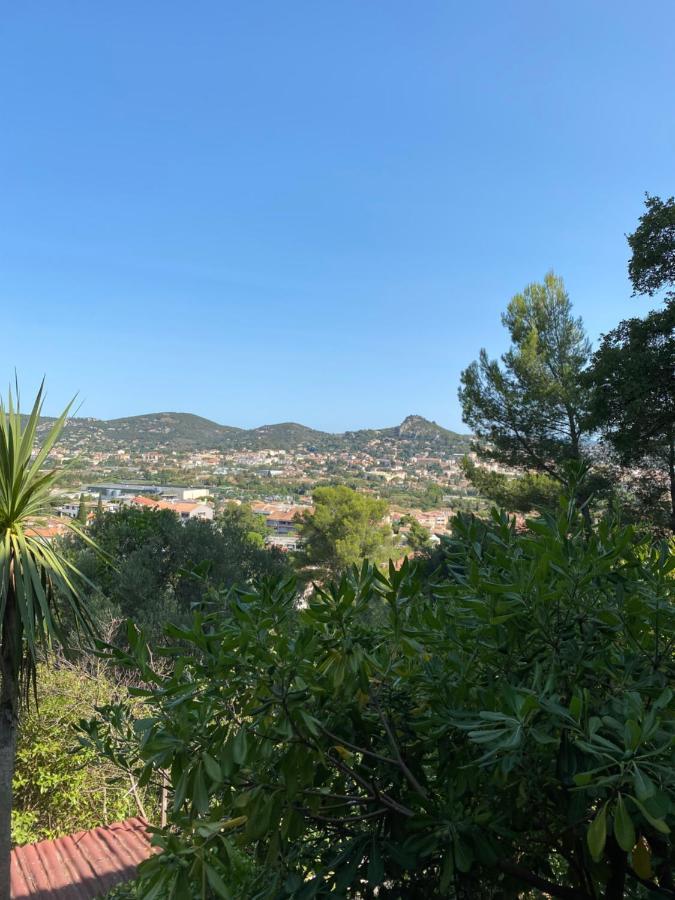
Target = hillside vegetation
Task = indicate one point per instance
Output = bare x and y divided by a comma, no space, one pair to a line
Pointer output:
184,431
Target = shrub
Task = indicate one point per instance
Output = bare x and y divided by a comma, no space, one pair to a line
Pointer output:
504,728
58,791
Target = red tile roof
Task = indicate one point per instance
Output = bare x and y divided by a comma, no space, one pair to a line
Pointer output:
175,505
81,866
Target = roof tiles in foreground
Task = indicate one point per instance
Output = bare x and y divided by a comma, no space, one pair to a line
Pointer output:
81,866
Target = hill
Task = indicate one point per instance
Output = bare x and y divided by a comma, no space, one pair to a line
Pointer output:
185,432
419,428
415,432
179,429
284,436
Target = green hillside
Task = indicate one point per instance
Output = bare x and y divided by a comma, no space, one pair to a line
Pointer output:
186,432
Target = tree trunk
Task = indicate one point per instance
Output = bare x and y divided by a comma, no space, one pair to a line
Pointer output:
581,494
671,472
10,654
8,729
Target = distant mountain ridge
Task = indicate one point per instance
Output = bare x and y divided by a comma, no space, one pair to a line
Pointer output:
185,431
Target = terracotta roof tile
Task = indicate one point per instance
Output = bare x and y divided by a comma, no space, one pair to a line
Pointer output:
81,866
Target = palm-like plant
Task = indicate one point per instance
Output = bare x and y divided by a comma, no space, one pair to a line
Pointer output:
32,573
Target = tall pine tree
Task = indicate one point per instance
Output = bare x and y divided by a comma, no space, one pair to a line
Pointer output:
527,409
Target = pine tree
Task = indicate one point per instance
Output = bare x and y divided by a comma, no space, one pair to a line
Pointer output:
527,410
82,511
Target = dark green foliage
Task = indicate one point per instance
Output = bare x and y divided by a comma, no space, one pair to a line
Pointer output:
652,265
156,568
418,537
505,729
632,383
82,511
514,493
527,411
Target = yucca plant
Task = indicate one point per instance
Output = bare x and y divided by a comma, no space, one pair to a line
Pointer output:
32,574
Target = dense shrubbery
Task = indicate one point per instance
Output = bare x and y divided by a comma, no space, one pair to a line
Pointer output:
57,791
150,566
504,726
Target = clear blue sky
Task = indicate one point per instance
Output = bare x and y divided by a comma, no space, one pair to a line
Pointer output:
313,211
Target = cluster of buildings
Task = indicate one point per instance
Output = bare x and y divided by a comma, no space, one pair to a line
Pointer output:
379,459
434,520
184,509
282,521
122,469
186,502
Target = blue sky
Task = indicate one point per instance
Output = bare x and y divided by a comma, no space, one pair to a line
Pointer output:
314,211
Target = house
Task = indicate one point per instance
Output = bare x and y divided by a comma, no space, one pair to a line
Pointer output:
49,530
70,509
133,488
184,509
175,492
285,542
281,518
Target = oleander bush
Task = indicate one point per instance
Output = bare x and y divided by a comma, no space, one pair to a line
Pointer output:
501,728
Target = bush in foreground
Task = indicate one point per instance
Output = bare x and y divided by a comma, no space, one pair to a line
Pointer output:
58,791
504,729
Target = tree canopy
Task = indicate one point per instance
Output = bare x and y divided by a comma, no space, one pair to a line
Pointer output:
632,380
527,412
345,527
58,791
652,265
520,493
162,566
418,538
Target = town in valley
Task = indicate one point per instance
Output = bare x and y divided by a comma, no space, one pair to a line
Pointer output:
196,467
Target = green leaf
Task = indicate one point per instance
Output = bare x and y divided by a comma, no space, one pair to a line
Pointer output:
463,855
632,734
624,830
641,859
181,790
375,865
239,747
575,707
216,883
663,700
596,836
212,768
644,786
200,796
313,725
659,824
258,822
447,871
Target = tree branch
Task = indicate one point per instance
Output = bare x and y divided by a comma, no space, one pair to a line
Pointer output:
401,763
357,749
650,885
555,890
